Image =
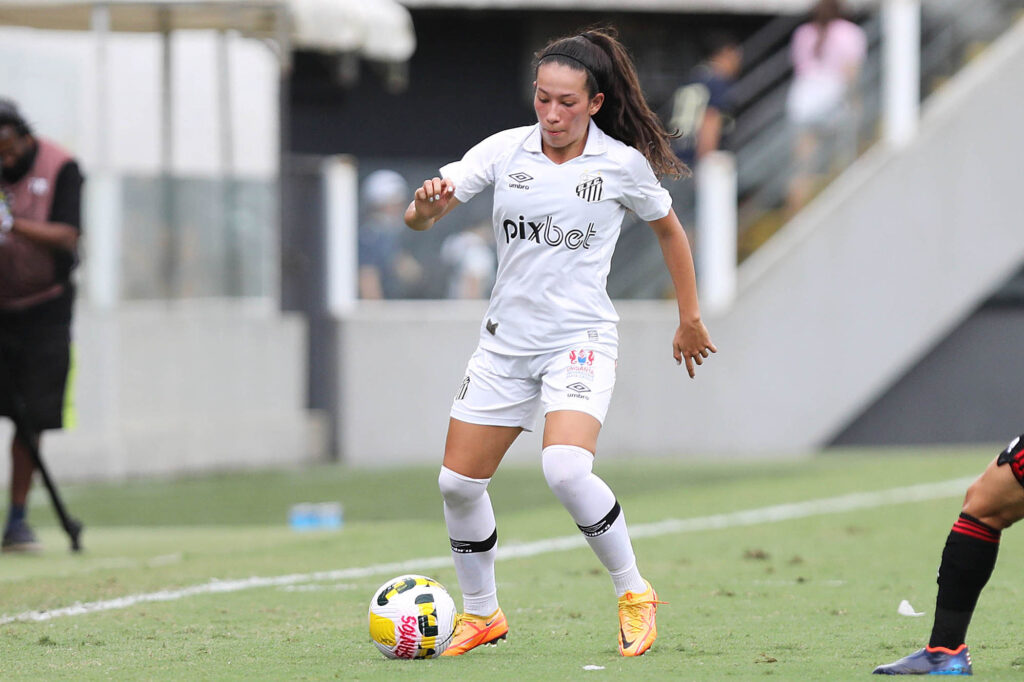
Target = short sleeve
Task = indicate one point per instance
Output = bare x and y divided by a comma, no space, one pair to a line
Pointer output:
857,44
67,196
475,171
642,193
801,48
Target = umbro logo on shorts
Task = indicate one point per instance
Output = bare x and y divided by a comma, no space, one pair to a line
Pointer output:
579,387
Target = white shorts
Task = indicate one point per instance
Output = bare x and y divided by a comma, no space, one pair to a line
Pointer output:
506,390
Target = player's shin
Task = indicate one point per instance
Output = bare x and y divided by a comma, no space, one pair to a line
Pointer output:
967,562
592,505
473,534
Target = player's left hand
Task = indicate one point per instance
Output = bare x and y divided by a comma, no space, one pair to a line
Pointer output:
692,343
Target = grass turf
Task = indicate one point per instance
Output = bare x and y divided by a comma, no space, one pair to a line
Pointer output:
807,598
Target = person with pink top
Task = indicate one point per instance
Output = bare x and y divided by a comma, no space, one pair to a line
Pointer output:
827,53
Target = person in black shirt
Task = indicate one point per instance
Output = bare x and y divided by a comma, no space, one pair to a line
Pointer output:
703,107
701,112
40,226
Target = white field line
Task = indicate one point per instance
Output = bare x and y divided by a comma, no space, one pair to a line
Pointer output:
748,517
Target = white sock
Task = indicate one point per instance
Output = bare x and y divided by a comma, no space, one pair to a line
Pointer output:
592,505
473,534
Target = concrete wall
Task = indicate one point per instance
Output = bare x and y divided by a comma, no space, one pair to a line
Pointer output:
966,390
176,388
880,267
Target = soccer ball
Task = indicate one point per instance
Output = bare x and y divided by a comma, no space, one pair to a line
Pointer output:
412,616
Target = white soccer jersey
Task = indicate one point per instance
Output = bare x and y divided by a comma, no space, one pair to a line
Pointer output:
556,226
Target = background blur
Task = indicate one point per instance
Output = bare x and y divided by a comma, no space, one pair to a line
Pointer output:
224,320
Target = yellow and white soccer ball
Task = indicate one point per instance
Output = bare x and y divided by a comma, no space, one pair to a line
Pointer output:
412,616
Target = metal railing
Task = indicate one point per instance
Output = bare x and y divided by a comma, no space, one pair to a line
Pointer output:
952,32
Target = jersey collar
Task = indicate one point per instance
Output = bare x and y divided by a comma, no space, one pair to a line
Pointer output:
596,140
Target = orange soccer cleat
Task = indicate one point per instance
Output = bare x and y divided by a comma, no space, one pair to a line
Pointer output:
473,631
637,628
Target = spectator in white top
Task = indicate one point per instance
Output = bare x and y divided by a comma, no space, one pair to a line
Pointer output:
561,189
471,263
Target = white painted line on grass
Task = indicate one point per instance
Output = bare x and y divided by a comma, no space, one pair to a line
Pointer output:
747,517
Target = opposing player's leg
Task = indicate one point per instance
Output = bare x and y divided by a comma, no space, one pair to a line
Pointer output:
472,455
993,503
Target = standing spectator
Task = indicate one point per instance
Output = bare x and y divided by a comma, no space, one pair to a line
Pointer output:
39,230
386,270
702,114
703,108
827,54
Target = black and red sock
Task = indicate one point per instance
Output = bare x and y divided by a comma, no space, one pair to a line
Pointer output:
967,562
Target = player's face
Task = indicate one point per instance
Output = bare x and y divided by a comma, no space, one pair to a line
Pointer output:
563,109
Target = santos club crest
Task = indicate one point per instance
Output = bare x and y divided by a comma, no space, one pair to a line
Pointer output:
590,187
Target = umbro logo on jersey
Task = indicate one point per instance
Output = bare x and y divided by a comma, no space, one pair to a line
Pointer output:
519,180
492,327
590,188
579,387
548,232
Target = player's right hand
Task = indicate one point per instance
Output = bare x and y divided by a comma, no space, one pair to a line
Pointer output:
432,199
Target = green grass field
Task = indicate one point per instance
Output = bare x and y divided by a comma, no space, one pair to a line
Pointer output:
813,597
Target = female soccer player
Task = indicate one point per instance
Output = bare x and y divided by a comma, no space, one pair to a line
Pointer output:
993,503
561,189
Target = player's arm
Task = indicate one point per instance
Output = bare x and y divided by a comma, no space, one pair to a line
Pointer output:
431,202
59,236
709,133
692,342
61,232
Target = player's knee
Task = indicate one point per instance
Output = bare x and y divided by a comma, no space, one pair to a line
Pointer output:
564,465
458,490
991,505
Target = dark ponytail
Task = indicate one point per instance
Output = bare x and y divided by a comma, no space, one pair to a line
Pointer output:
625,114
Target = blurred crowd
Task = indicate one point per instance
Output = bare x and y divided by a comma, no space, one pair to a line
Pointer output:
822,113
465,263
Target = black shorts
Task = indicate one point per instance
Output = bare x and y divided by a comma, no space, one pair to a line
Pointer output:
1014,456
36,358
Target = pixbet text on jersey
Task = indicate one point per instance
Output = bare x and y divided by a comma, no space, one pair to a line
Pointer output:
552,234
